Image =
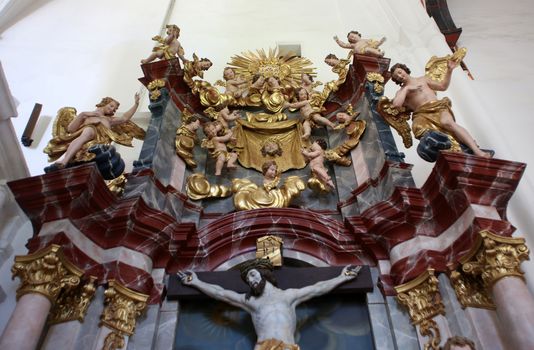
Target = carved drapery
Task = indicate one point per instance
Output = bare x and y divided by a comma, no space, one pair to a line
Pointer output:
46,272
495,257
122,308
73,304
422,298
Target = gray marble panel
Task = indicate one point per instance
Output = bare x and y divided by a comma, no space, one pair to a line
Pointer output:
145,330
165,148
382,332
166,331
375,297
404,332
89,330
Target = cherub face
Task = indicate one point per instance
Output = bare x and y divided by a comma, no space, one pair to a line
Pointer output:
271,172
229,74
306,78
332,62
205,65
110,108
353,38
196,124
343,117
303,95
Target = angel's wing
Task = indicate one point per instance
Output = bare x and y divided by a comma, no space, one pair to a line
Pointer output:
397,118
128,131
436,67
64,117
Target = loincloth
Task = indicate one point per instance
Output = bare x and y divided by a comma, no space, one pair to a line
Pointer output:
427,118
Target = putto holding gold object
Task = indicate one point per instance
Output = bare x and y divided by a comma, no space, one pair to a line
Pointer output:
432,119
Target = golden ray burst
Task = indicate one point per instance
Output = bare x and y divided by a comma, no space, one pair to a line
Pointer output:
287,68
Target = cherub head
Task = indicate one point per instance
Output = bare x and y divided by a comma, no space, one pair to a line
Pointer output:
228,73
273,82
269,169
271,147
399,73
108,105
204,64
306,78
193,122
302,94
172,29
211,129
353,36
320,143
331,60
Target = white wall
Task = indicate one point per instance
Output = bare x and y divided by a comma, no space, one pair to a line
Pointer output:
72,53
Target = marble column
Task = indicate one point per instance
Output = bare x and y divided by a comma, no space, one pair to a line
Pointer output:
122,308
496,260
422,298
43,275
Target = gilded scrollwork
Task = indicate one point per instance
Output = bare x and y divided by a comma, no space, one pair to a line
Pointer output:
46,272
377,80
154,87
72,304
496,257
122,308
198,187
422,298
113,341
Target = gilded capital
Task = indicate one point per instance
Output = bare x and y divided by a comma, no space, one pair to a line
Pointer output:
422,298
470,291
123,307
45,272
73,304
495,257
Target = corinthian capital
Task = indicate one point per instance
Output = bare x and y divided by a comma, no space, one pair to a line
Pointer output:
123,307
495,257
45,272
422,298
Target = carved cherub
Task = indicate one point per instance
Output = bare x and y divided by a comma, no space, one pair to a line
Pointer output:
316,156
195,68
235,86
368,47
353,129
74,134
217,146
169,47
430,117
309,114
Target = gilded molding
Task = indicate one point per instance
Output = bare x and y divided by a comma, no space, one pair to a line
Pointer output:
495,257
422,298
72,305
45,272
378,80
470,291
123,307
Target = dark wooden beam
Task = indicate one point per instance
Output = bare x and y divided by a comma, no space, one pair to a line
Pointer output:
287,277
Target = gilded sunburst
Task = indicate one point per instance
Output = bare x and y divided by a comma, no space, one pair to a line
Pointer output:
287,68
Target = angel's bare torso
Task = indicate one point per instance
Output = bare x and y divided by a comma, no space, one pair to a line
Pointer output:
419,93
